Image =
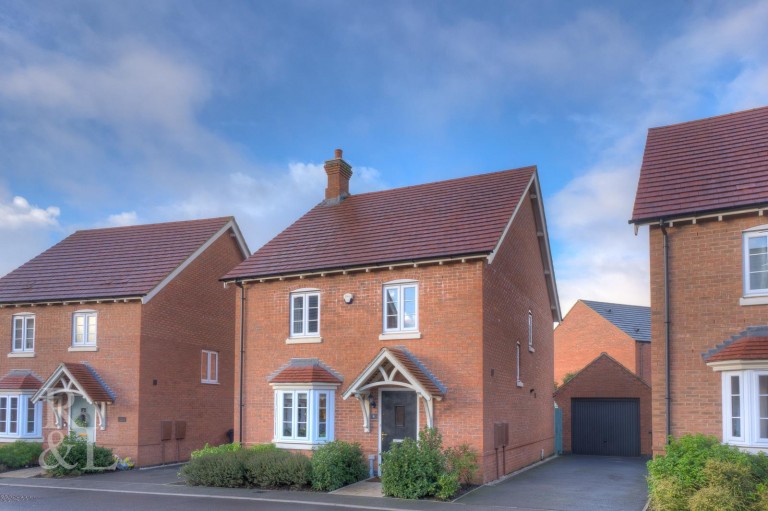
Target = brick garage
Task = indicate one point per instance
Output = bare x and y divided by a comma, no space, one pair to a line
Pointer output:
605,378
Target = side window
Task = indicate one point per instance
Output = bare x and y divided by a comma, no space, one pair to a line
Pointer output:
517,364
401,307
84,328
209,367
756,263
530,331
305,314
23,333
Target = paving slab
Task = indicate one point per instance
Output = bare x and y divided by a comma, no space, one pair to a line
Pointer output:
571,483
361,489
24,473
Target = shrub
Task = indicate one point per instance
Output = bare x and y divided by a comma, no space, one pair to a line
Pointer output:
698,473
273,468
411,470
220,469
20,454
337,464
447,485
462,461
263,447
75,455
211,449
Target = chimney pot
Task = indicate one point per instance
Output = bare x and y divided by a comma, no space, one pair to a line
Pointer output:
338,172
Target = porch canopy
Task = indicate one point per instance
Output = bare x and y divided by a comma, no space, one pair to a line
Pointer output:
78,380
396,367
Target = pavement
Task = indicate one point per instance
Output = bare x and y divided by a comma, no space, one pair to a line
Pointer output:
573,483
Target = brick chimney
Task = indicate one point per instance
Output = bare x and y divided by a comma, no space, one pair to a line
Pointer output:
339,173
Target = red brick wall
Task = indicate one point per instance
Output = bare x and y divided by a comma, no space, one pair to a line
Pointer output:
194,312
512,285
583,335
705,287
605,378
450,320
115,361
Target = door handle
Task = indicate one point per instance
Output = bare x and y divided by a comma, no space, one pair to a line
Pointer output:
383,434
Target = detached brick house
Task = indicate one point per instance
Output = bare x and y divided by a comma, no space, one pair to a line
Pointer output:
703,192
591,328
376,315
124,336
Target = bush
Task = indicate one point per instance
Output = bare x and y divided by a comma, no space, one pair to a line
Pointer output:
698,473
413,470
20,454
273,468
75,455
337,464
220,469
209,449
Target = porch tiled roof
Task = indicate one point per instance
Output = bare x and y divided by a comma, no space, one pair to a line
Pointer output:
304,371
444,219
419,371
108,263
414,370
751,344
20,379
708,165
90,382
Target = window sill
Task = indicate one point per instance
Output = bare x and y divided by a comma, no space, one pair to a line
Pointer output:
531,349
21,354
209,382
400,336
303,340
298,445
520,384
8,439
83,348
754,300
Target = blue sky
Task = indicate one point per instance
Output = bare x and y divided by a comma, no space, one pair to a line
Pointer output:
113,113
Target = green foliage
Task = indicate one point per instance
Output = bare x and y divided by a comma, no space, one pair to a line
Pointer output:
210,449
700,474
414,470
263,447
276,468
221,469
337,464
568,377
20,454
75,455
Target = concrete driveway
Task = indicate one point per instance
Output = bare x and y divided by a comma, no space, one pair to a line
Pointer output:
571,483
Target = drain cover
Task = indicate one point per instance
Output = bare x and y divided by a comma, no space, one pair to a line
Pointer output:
4,497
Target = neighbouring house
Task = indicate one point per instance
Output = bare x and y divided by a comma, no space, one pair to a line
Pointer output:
606,410
591,328
703,192
123,336
376,315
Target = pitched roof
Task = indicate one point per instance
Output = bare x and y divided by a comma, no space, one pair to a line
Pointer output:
633,320
20,379
603,357
750,344
112,262
305,370
85,378
447,218
708,165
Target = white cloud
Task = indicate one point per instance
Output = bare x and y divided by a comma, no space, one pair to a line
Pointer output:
123,219
25,230
19,213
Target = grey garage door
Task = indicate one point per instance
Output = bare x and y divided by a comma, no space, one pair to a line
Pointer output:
607,427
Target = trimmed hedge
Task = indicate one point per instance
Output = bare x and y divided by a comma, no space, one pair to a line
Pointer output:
699,473
337,464
20,454
75,456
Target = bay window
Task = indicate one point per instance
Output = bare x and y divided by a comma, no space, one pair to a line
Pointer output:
303,416
745,407
19,416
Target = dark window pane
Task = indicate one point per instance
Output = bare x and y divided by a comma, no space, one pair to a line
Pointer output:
399,416
736,425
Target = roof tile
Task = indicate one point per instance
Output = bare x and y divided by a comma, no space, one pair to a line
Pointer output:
20,379
633,320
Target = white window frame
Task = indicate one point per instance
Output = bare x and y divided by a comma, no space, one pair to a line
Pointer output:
312,438
25,317
530,332
86,315
759,232
400,286
750,408
305,295
22,412
211,359
517,364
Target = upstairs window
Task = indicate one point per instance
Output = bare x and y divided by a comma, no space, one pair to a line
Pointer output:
756,263
305,314
84,328
23,333
209,367
401,307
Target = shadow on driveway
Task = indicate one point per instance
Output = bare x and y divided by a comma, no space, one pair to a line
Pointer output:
571,483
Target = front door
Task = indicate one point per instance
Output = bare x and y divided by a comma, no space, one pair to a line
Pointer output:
398,417
82,419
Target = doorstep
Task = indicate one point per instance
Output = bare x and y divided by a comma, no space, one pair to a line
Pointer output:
24,473
365,488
